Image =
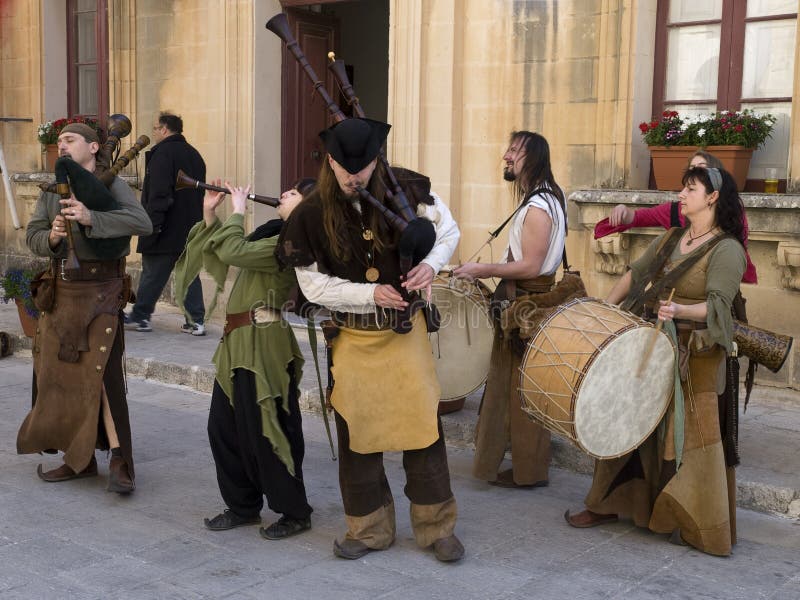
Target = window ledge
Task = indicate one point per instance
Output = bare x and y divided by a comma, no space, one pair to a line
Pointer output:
653,197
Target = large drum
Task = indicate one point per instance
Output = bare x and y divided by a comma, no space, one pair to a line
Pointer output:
581,377
462,348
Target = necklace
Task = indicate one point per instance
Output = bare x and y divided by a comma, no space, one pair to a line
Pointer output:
697,237
372,273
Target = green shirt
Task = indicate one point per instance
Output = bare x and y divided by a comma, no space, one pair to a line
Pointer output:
267,350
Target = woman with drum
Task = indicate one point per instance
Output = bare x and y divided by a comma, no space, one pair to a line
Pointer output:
535,250
676,481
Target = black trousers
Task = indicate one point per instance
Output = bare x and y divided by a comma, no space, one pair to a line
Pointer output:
247,467
362,478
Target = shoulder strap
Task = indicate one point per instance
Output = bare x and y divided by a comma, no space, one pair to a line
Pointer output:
524,202
633,302
675,274
674,214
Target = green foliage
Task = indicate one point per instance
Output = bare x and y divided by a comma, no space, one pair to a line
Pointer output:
725,128
16,284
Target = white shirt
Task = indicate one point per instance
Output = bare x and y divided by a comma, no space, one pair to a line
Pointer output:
346,296
555,248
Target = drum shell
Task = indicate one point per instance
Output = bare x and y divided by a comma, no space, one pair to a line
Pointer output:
575,383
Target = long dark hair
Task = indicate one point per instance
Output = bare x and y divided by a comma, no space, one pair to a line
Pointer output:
730,209
336,209
536,172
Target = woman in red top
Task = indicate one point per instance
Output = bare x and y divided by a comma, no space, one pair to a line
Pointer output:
667,215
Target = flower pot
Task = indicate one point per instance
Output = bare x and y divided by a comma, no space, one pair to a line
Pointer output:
669,164
28,322
735,160
50,156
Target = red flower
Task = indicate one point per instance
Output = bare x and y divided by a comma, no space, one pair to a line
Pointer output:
738,128
643,127
665,114
653,124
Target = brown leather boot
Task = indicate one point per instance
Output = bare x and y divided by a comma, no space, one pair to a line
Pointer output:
119,478
65,473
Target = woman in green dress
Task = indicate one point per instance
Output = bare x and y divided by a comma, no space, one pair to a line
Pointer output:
677,481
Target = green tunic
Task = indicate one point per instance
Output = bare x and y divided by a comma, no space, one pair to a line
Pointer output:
266,350
726,262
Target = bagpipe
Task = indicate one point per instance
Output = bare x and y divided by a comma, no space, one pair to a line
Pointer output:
417,235
93,190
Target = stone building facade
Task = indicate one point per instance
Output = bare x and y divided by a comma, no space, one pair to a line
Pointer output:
462,74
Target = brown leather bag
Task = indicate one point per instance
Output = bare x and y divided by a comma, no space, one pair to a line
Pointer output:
43,290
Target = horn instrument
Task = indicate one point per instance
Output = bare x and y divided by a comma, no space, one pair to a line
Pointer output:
107,177
396,194
417,236
279,25
119,126
184,182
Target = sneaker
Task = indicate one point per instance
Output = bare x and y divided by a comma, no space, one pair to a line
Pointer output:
131,325
194,328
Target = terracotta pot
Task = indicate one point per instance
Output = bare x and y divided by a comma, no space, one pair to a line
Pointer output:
28,322
735,160
669,164
50,156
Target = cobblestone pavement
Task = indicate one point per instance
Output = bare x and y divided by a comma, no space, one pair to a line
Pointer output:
75,540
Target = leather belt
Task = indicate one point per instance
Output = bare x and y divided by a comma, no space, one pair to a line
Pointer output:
89,270
261,315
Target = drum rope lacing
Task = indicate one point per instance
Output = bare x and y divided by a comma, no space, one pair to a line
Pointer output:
580,310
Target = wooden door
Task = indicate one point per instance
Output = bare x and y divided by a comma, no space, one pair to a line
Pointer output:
304,112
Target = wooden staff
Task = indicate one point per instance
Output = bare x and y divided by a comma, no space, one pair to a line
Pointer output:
649,349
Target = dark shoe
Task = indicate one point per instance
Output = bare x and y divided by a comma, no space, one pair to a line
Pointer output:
350,549
449,549
285,527
506,479
228,519
587,518
65,473
119,477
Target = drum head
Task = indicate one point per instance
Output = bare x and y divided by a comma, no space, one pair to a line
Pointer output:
615,410
462,348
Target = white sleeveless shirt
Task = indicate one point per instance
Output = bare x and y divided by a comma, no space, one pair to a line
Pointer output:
548,202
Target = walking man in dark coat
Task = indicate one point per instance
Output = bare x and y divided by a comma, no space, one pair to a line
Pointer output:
173,213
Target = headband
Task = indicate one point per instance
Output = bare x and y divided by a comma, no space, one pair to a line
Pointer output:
89,133
716,178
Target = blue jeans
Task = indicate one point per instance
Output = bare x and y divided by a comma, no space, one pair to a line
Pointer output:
156,269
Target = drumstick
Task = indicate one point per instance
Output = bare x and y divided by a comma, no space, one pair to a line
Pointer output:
649,349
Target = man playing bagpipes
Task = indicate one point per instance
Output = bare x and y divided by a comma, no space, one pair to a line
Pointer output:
79,392
385,396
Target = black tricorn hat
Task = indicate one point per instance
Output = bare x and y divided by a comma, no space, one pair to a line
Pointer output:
354,143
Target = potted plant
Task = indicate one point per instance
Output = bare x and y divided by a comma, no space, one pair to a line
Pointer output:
730,136
16,283
49,131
